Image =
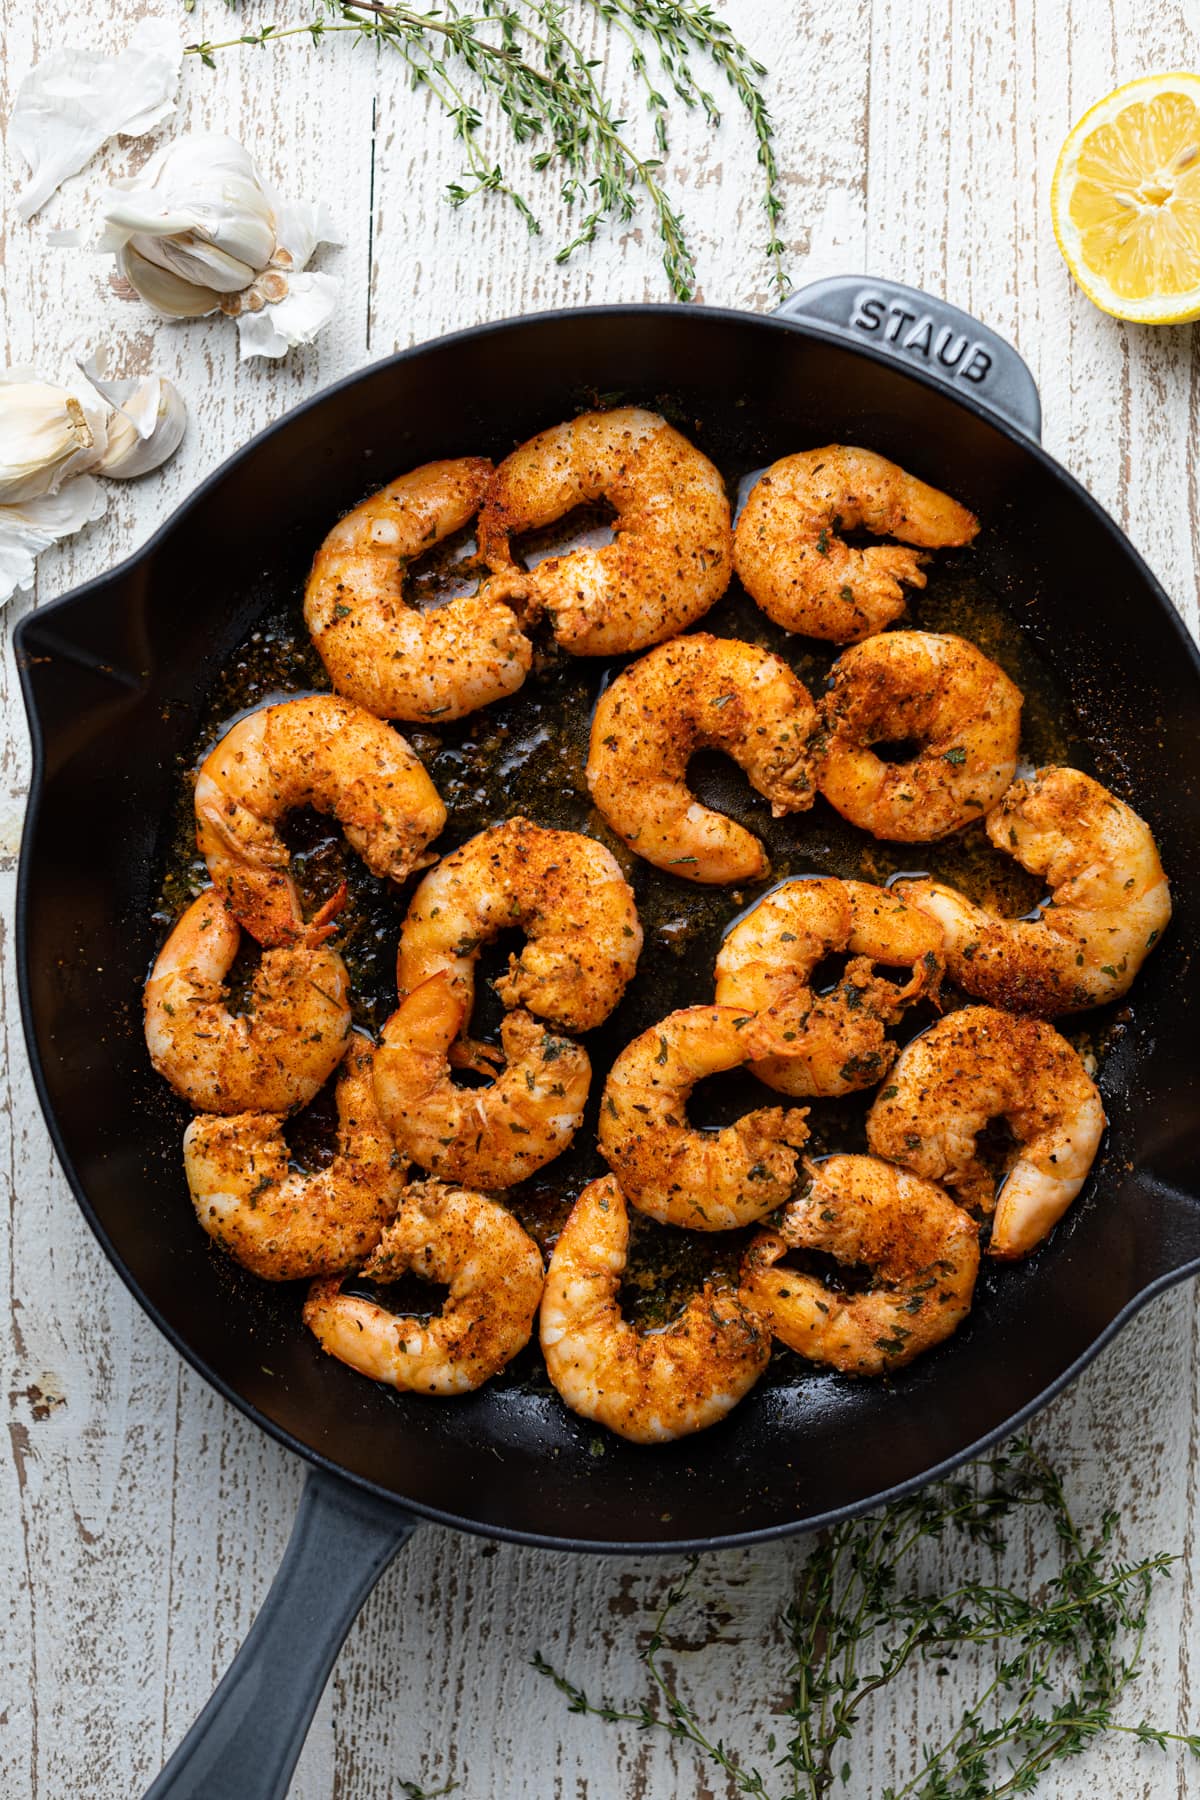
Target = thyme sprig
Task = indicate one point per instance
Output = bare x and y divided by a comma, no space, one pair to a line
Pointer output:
1053,1664
528,57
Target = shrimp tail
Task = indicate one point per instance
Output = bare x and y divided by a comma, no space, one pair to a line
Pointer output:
323,923
478,1057
511,586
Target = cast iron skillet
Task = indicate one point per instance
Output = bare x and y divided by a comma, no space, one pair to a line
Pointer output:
113,676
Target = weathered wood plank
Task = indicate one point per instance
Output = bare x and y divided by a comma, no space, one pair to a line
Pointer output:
140,1517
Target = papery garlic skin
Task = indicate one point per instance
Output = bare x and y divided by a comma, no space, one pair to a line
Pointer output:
198,231
47,434
31,527
73,101
309,303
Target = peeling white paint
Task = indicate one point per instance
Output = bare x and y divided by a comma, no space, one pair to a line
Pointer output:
139,1523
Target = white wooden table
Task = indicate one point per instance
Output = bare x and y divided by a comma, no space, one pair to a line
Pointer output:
140,1517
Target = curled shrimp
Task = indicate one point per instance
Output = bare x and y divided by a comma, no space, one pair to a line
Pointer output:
678,1174
1109,900
828,1043
649,1387
489,1137
975,1066
380,651
280,1224
933,691
319,751
699,692
921,1249
793,562
567,894
670,555
473,1246
269,1060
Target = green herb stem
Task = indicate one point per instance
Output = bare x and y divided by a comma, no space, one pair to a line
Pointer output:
527,57
1054,1663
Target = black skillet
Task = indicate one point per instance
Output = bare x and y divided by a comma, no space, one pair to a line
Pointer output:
114,676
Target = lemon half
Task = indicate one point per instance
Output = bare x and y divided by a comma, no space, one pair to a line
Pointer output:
1126,200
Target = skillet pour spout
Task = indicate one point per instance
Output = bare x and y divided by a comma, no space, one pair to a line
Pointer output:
114,678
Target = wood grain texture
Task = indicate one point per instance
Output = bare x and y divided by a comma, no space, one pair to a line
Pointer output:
140,1517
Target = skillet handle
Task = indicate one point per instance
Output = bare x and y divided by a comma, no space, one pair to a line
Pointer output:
245,1744
927,334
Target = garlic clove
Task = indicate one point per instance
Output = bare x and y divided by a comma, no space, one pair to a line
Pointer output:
146,429
202,264
47,434
74,100
32,526
168,293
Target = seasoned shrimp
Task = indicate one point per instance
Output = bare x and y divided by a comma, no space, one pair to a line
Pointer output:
270,1060
488,1137
282,1225
830,1043
939,693
650,1387
379,650
670,555
474,1247
319,751
699,692
679,1174
1109,901
975,1066
792,560
923,1252
569,897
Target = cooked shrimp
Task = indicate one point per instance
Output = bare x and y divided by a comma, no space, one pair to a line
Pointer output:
567,894
930,690
699,692
1109,901
379,650
792,560
676,1172
319,751
923,1252
835,1042
270,1060
282,1225
670,555
488,1137
975,1066
474,1247
653,1386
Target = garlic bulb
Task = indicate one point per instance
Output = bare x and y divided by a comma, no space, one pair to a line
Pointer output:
47,434
55,437
197,231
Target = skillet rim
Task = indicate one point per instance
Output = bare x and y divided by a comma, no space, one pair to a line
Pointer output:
122,570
